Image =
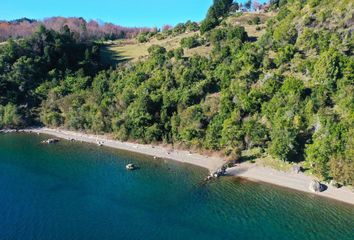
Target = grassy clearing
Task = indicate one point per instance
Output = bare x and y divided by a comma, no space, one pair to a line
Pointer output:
114,52
253,31
125,50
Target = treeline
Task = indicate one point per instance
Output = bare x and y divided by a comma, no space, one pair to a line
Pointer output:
30,66
289,93
82,30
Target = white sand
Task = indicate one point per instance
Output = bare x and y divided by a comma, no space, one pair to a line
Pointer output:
246,170
298,181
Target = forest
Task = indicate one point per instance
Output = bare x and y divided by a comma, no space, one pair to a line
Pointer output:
289,92
82,30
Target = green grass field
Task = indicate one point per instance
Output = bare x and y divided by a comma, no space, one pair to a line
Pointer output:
131,50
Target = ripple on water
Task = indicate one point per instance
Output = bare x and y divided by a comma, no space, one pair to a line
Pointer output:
79,191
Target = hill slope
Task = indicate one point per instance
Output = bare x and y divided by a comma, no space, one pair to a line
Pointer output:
288,94
117,51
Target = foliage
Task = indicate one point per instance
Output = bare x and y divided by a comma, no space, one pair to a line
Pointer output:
190,42
254,21
82,30
44,58
9,117
289,93
219,9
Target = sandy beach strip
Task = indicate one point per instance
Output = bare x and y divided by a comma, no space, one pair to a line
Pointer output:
297,181
246,170
211,163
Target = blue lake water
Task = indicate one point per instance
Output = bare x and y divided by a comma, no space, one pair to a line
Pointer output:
80,191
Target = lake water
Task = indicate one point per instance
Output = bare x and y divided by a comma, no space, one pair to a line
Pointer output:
81,191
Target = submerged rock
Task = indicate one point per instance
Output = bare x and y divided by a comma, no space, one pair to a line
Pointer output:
208,178
216,174
51,141
131,166
316,186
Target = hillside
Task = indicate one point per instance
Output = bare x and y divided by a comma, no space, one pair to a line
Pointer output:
117,51
122,50
281,91
253,22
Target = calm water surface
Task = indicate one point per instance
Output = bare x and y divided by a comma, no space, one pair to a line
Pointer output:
80,191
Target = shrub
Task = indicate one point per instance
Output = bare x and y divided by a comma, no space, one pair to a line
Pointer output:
190,42
9,116
254,21
142,38
178,53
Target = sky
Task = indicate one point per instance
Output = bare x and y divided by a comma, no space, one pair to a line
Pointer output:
130,13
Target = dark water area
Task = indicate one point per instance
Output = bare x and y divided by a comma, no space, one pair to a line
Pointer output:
81,191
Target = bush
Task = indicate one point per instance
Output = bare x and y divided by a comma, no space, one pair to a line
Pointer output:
217,35
285,54
190,42
237,33
192,26
254,21
179,28
9,117
178,53
142,38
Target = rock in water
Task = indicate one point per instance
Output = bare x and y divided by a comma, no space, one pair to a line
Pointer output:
316,186
131,166
51,141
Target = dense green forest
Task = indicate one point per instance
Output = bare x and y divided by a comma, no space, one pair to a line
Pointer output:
289,92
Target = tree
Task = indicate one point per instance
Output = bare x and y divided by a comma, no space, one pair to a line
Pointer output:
178,53
248,5
157,53
208,24
328,142
190,42
327,69
219,9
234,7
256,5
166,28
9,116
222,7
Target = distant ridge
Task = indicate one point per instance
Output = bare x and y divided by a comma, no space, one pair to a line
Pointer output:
83,30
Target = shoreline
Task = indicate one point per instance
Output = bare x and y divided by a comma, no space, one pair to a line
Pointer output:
294,181
211,163
252,172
